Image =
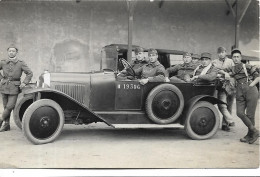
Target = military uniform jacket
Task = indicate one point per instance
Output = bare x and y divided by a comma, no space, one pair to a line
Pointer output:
211,74
12,71
239,74
182,70
155,72
138,64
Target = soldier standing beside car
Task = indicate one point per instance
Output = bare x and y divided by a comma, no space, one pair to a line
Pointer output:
224,95
246,77
11,83
154,71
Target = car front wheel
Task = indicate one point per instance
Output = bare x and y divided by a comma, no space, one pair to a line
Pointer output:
43,121
202,121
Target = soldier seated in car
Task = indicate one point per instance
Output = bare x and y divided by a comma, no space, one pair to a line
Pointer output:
184,71
206,72
139,61
154,71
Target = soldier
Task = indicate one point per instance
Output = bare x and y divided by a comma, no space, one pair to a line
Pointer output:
10,83
154,71
206,72
137,63
246,77
140,58
221,63
195,59
184,71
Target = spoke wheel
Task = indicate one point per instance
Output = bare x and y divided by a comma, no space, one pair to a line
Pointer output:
43,121
202,121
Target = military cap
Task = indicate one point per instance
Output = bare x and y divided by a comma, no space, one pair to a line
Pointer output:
139,49
205,55
235,50
221,49
186,54
12,46
152,51
195,56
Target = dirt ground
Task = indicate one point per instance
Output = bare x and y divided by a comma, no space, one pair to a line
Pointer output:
98,146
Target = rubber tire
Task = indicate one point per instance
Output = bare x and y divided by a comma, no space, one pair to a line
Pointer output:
153,93
187,125
20,102
27,117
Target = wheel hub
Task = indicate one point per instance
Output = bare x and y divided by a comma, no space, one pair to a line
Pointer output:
44,122
203,122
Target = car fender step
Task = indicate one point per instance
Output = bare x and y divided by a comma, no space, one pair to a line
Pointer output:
136,126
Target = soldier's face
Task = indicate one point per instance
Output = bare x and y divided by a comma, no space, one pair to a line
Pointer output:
187,59
153,57
205,61
12,52
195,60
140,56
222,54
237,58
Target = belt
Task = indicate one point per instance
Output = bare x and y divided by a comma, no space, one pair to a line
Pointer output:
12,79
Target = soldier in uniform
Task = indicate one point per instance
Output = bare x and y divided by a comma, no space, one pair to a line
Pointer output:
195,59
140,58
154,71
206,72
137,63
10,83
226,110
246,77
184,71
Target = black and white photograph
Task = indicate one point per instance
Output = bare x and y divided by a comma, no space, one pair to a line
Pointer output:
129,85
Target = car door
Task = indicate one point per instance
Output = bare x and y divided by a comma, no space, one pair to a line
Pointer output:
128,95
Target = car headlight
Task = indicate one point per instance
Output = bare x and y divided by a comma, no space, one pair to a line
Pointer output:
45,79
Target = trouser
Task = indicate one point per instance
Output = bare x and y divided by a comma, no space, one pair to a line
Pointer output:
9,102
246,101
226,110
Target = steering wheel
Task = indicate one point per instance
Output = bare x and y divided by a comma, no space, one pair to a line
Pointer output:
129,69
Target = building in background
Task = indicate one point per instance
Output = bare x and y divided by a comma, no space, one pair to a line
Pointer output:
69,35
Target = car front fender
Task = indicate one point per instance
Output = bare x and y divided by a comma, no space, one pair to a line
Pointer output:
196,99
48,93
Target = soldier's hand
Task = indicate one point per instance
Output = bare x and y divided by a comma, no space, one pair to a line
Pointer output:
22,85
143,81
167,79
193,78
227,76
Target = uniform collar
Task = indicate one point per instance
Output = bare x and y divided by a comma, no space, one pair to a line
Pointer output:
187,64
223,60
154,64
12,60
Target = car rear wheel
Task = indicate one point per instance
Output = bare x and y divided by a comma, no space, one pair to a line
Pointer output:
43,121
164,104
202,121
20,107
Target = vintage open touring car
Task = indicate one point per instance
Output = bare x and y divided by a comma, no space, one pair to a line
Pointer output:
84,98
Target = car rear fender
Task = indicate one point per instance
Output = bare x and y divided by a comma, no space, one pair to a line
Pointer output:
62,99
196,99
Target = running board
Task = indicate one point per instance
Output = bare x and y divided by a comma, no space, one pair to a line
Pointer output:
136,126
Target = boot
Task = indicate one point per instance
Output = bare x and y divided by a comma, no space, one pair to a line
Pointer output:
254,136
246,138
5,127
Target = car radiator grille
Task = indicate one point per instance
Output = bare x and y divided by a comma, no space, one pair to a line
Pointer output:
76,91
